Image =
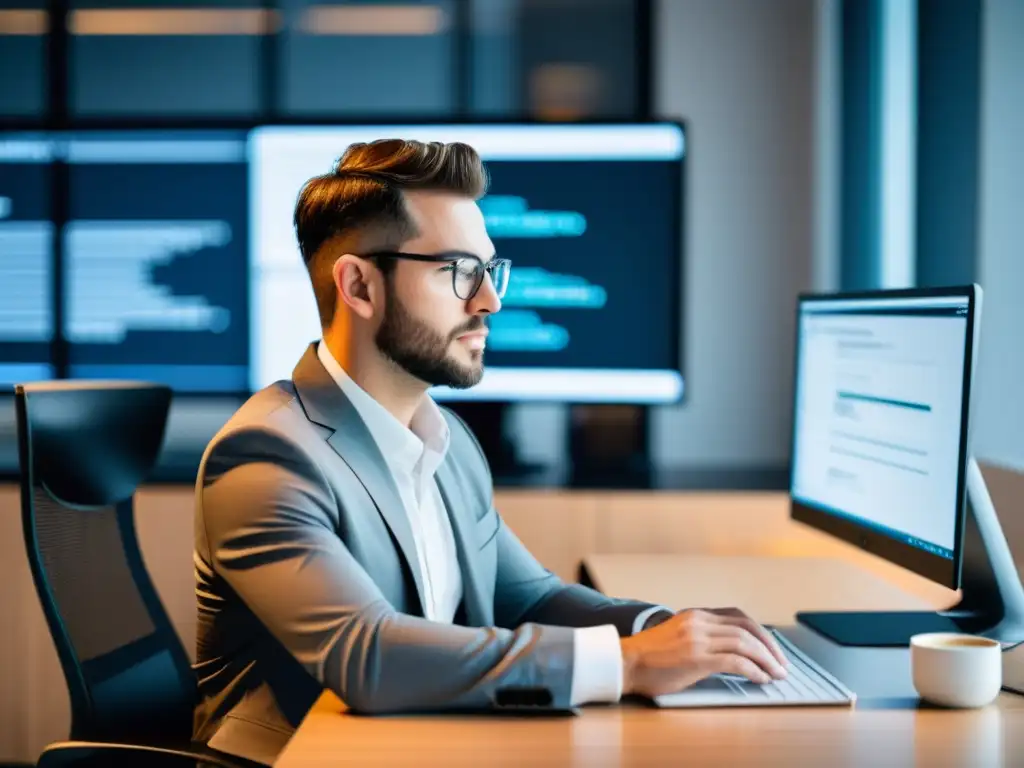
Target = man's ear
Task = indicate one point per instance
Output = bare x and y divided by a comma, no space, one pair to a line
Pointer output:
354,280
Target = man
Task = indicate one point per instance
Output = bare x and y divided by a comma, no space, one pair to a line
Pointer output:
345,532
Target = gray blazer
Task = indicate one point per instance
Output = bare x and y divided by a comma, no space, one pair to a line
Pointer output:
307,578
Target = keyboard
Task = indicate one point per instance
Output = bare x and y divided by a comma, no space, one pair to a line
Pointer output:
807,684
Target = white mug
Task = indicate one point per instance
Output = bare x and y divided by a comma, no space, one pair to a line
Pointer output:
956,670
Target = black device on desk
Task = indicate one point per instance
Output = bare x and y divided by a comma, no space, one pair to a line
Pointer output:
881,457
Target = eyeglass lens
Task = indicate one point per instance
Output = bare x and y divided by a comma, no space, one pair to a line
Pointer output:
469,275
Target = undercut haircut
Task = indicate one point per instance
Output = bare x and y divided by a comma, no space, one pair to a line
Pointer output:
360,207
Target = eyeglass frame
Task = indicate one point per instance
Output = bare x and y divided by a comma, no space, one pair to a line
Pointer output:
449,256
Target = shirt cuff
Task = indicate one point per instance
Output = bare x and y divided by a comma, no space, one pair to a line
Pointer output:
596,665
644,616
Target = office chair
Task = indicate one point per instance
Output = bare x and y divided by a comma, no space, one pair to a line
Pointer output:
83,448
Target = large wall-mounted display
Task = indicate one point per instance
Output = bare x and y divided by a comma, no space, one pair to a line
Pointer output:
179,262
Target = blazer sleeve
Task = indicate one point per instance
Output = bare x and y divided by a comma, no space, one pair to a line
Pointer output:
270,523
526,592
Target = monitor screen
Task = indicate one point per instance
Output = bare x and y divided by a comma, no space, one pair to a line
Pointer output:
155,258
589,216
882,392
26,259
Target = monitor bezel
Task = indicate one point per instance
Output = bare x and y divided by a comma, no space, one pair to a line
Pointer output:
677,267
929,565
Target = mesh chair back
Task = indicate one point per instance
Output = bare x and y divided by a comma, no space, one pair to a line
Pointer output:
84,447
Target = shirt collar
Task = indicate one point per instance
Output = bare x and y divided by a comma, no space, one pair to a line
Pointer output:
401,446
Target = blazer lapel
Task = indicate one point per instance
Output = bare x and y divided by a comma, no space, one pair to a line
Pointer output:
327,405
465,542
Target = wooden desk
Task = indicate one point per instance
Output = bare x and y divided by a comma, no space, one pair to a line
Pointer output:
889,727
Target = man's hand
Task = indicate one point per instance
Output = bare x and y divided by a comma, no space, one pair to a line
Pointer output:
696,644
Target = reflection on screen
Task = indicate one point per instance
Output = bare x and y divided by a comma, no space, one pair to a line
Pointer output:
26,259
880,398
155,259
587,214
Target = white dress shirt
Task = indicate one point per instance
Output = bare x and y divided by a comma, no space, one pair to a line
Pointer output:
413,455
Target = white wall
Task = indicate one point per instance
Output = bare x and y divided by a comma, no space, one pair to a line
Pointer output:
999,410
742,73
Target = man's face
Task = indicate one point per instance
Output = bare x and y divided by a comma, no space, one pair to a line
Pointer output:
427,330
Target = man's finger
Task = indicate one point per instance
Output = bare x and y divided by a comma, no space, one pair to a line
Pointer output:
734,617
737,640
735,664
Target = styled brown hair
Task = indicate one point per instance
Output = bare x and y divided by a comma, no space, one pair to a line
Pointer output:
359,206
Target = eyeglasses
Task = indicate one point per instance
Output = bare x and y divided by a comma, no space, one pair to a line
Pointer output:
467,269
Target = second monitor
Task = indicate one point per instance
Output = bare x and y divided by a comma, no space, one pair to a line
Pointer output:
881,455
590,216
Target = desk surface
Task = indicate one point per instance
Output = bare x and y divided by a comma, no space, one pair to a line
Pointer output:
889,726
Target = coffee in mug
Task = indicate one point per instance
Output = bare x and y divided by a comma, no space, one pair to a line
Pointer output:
966,641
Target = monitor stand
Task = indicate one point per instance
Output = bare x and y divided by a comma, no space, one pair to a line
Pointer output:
991,602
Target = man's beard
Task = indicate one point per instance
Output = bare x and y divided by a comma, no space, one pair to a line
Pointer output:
421,351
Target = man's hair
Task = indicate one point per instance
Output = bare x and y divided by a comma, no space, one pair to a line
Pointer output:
359,206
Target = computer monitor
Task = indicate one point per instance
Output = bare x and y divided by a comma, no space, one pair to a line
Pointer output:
589,214
26,259
880,452
155,258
